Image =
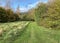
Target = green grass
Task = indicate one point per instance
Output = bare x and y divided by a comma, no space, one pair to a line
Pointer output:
36,34
11,25
32,34
11,30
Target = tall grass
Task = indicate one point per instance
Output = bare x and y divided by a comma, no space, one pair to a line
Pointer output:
10,35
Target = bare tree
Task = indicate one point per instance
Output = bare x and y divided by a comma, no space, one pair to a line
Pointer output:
18,10
50,1
8,3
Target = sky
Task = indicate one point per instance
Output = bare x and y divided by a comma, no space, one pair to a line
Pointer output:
25,5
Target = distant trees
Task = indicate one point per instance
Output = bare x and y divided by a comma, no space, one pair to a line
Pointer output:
30,15
27,16
8,15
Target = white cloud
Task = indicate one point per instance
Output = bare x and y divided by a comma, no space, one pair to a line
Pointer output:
33,5
25,9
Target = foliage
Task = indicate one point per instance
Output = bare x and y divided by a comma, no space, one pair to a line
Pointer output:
2,14
48,14
40,12
7,15
27,16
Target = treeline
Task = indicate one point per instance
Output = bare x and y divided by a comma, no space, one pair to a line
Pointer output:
28,16
48,14
7,15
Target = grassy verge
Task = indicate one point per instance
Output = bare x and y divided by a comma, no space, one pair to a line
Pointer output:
13,31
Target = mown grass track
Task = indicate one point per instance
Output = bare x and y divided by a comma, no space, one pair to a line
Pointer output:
36,34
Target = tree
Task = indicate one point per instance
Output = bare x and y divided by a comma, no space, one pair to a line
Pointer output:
18,10
31,14
54,14
40,11
48,15
2,15
8,4
10,15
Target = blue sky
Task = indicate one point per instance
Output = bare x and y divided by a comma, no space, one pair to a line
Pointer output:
25,5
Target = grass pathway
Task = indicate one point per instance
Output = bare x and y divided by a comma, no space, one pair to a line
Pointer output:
36,34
